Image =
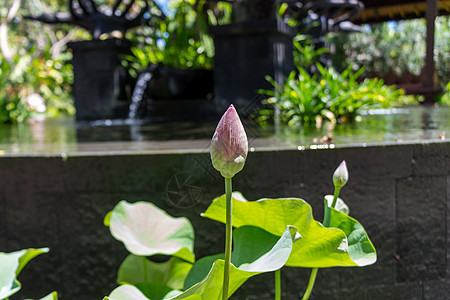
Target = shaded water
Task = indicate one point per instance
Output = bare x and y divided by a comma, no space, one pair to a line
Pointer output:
65,136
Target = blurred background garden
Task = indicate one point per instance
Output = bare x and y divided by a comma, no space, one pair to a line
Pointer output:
37,76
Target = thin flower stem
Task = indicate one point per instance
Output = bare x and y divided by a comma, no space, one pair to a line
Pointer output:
335,197
228,240
326,223
278,284
327,216
312,279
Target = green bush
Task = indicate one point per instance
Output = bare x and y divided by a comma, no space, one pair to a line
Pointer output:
26,75
304,99
33,62
444,98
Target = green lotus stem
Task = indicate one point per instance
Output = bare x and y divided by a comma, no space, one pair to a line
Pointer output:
335,197
228,240
326,223
278,284
312,279
144,264
327,216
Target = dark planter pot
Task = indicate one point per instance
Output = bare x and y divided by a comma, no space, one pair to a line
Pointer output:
180,84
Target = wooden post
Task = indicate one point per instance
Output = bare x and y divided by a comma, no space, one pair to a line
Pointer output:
428,78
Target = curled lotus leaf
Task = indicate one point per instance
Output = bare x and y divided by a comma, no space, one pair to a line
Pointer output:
360,248
10,266
147,230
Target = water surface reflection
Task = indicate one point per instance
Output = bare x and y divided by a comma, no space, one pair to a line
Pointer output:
56,136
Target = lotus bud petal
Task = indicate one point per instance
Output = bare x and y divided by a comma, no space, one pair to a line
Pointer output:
340,176
229,145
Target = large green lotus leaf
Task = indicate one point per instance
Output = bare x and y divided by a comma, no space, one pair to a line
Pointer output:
318,247
135,269
360,248
210,288
147,230
10,266
247,260
256,250
200,269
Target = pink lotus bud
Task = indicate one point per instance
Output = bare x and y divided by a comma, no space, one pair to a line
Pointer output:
340,176
229,145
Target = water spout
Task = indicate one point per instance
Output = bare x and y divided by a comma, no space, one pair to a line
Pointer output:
138,93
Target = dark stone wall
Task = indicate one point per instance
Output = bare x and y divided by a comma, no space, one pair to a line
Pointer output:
400,193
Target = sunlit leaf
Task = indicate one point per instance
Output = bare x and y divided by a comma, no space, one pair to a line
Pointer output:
360,248
147,230
256,251
318,246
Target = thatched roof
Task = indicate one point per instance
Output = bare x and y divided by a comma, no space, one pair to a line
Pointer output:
387,10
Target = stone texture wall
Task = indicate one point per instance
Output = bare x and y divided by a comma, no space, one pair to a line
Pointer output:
400,193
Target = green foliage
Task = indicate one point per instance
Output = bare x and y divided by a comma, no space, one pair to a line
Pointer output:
11,264
305,54
256,251
345,97
179,41
398,46
317,247
304,99
269,234
32,62
444,98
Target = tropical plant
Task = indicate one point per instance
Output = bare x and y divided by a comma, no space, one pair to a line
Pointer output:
305,52
268,234
345,97
330,95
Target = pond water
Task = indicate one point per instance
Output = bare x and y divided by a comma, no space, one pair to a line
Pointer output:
67,137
